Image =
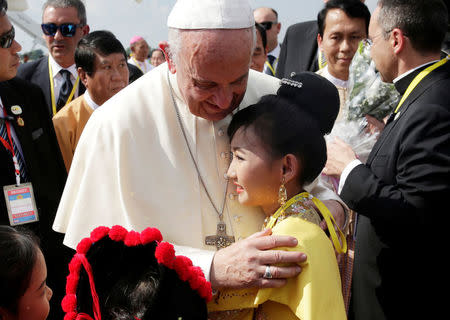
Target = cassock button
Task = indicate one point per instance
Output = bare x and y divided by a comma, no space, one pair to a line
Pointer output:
225,176
223,155
231,196
220,132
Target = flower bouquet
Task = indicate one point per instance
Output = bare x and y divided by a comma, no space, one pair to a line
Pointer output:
368,95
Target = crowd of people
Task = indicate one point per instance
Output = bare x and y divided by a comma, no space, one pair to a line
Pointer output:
192,181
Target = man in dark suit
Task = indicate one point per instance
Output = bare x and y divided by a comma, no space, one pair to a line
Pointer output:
299,49
63,25
134,73
400,192
268,18
28,139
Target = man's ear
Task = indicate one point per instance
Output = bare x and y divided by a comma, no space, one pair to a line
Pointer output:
85,29
83,76
164,46
319,41
397,39
290,167
278,27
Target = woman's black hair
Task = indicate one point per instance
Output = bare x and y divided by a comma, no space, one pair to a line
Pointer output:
294,121
18,252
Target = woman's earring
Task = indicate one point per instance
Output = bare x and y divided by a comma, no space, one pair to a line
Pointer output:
282,194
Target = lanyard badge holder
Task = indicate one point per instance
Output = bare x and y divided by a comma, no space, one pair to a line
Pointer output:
19,197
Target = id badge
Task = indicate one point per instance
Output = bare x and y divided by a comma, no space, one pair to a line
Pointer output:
20,204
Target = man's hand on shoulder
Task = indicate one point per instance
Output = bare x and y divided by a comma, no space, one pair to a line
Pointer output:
244,263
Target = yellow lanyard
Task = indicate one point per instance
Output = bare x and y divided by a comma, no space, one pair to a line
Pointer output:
419,78
137,65
52,88
329,219
270,67
321,60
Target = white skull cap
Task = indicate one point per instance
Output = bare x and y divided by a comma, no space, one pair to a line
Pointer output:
211,14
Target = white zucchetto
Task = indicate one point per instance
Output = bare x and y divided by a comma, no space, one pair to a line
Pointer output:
211,14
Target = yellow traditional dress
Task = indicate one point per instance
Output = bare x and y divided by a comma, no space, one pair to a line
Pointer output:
313,295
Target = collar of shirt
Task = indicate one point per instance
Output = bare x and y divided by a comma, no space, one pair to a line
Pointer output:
337,82
89,100
56,68
402,81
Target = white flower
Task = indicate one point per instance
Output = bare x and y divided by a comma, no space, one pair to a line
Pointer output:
367,93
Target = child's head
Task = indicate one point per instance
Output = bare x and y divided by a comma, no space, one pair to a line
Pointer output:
118,274
23,273
280,139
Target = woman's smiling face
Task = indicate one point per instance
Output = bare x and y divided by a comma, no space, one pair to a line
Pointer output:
256,175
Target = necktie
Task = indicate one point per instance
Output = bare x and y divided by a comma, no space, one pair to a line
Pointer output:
4,135
66,89
270,60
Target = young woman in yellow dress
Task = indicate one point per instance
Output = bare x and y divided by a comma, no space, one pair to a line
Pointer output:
278,147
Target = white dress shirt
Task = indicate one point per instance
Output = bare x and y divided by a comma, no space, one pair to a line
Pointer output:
58,79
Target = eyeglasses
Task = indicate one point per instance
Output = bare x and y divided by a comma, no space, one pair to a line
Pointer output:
7,38
268,24
66,29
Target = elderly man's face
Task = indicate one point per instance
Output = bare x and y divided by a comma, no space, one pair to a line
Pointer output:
60,47
341,37
9,59
212,70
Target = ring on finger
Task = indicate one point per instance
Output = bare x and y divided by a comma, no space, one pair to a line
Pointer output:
267,273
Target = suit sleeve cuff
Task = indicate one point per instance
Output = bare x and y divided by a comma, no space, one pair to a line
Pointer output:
346,172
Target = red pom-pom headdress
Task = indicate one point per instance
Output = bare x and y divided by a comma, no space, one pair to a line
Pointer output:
164,254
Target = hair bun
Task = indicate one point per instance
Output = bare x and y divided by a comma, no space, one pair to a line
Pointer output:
313,94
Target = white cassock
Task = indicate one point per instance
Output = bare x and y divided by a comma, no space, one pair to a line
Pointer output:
132,168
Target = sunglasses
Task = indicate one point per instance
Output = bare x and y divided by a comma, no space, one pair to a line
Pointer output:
66,29
7,38
268,24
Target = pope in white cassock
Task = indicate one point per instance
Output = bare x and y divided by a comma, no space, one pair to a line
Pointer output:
156,154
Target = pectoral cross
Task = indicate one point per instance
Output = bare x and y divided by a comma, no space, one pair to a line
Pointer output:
221,240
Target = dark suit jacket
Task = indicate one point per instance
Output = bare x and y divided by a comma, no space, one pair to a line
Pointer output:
135,73
401,195
46,172
37,73
299,49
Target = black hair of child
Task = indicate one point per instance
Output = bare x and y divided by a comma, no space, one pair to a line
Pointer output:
18,254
